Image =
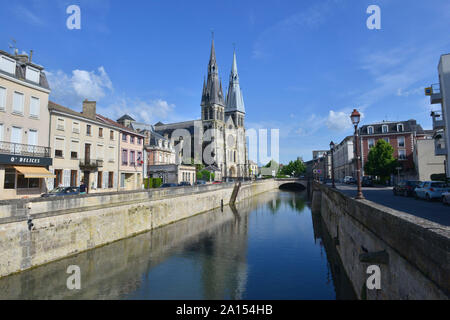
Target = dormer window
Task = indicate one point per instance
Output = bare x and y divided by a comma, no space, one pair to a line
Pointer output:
400,128
370,130
385,129
7,64
32,74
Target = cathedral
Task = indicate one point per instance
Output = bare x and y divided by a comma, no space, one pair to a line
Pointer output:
218,139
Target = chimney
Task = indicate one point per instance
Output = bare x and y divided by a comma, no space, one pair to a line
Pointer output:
22,58
31,55
89,109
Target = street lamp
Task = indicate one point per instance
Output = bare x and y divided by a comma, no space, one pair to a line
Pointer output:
356,117
333,185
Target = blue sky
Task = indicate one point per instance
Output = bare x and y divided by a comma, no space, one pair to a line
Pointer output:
304,65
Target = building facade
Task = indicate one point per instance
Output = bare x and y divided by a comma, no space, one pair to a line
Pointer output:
343,156
85,149
440,94
25,155
400,135
427,163
174,173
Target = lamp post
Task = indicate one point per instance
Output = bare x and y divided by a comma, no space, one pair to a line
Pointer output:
333,185
356,117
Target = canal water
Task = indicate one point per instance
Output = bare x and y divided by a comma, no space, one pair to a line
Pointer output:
267,247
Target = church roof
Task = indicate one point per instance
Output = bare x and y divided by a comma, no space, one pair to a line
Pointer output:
235,99
212,88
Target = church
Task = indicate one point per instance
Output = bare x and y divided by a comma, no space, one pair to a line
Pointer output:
217,140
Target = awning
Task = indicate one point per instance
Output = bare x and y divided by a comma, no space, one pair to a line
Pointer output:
34,172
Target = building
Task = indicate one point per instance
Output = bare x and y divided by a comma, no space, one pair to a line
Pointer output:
253,167
218,139
317,154
401,135
85,148
343,156
174,173
427,163
440,94
131,156
25,155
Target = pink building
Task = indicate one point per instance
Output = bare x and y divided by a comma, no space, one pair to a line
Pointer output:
131,157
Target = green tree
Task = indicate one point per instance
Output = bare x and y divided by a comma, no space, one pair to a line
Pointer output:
381,161
295,168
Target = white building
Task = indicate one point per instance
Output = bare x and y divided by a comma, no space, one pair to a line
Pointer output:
343,156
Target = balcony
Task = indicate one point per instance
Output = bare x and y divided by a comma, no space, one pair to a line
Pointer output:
24,150
435,93
90,164
438,121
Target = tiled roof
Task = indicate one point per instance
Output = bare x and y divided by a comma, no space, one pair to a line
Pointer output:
408,126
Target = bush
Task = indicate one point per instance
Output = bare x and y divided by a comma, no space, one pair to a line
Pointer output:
150,183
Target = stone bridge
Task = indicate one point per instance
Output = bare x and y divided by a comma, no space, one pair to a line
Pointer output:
292,184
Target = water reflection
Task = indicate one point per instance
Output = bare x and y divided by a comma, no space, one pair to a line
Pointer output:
267,247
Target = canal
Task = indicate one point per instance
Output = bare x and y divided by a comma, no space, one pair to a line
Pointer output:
267,247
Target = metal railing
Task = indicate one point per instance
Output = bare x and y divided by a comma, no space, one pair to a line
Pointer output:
24,150
91,163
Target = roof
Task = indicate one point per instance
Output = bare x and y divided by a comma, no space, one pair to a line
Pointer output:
118,125
212,89
408,126
20,71
235,99
125,117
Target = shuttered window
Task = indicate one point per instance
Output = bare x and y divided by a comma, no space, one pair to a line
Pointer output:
59,147
35,107
2,98
18,101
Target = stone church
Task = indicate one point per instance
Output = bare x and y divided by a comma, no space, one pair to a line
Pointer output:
218,139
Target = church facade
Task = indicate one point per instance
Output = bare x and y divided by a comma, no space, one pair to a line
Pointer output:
217,140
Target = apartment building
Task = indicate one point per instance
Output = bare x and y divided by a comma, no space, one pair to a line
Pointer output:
131,159
401,135
343,156
426,161
85,148
24,127
440,94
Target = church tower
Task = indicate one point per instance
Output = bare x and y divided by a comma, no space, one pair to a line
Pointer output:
235,101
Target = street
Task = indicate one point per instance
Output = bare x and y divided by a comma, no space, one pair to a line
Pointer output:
434,211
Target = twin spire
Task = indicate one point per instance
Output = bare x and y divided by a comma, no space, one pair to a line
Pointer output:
212,87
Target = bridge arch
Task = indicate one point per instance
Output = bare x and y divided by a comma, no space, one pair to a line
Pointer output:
292,184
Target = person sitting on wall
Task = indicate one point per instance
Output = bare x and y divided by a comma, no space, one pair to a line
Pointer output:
82,187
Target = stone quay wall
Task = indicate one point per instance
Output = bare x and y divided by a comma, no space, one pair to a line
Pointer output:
38,231
413,254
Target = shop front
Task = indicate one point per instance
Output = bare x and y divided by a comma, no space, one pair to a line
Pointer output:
23,176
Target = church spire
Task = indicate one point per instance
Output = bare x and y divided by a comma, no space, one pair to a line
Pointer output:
235,100
212,93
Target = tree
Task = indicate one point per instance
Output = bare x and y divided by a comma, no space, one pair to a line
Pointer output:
381,161
295,168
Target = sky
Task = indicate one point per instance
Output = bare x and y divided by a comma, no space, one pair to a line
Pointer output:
303,65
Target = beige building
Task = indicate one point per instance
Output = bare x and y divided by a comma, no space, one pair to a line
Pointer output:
174,173
24,127
85,148
425,160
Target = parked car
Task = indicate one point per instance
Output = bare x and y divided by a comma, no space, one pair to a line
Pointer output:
200,182
349,180
184,184
62,191
169,185
430,190
446,198
406,188
367,181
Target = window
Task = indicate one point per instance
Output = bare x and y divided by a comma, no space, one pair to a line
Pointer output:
35,107
2,98
139,141
16,135
131,139
99,179
100,152
111,135
8,64
73,155
18,103
74,149
124,137
58,178
76,127
111,180
100,132
59,147
139,159
73,178
122,180
400,128
10,179
402,154
112,154
386,139
401,142
25,183
371,143
385,129
88,129
32,74
60,124
132,158
32,140
124,157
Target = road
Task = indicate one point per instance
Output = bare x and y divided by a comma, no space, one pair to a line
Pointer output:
434,211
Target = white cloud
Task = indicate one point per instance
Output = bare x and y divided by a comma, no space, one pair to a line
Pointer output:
150,111
80,85
339,121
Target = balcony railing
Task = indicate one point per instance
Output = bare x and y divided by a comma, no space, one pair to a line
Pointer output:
91,163
438,121
24,150
436,96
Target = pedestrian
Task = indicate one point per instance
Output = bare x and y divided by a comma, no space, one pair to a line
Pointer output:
83,187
